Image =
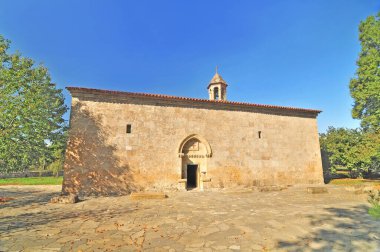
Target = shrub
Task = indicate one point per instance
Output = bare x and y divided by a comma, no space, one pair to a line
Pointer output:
374,200
56,167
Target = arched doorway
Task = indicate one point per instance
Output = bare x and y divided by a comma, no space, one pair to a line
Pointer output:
194,151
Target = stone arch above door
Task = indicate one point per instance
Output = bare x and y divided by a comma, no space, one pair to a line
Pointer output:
183,147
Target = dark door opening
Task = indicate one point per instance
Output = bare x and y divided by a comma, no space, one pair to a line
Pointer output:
192,176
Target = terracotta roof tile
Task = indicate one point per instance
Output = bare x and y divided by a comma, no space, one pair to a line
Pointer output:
190,99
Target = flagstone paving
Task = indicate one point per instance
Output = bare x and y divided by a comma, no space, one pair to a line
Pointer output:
225,220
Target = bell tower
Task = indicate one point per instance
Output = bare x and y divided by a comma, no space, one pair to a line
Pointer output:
217,88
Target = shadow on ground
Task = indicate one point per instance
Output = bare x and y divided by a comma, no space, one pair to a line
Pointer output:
24,216
26,198
338,229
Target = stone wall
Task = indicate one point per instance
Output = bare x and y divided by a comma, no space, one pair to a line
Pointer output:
101,158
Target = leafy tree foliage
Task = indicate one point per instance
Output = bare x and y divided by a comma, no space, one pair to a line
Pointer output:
358,150
365,87
351,149
31,109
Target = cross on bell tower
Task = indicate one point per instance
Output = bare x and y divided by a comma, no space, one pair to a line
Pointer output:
217,88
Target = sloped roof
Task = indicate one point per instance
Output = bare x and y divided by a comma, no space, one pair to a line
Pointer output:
196,100
217,79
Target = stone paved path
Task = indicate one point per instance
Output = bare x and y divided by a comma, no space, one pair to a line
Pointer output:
290,220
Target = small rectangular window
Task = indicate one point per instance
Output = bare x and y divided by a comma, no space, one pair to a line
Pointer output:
129,128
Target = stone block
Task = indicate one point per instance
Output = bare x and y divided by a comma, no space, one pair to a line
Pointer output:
359,189
69,199
148,195
271,188
317,189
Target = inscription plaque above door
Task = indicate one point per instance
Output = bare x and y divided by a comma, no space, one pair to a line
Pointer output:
194,146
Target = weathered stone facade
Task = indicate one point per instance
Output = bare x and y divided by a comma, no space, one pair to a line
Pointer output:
182,142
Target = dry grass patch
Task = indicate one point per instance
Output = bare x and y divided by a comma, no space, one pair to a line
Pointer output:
354,182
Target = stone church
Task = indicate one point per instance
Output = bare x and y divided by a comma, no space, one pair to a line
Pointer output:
121,142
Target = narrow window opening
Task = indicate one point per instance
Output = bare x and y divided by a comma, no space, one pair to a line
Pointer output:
129,128
216,93
259,134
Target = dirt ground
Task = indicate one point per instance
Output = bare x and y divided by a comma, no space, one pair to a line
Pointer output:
225,220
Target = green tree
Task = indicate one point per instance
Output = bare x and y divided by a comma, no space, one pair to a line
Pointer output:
31,109
365,86
351,149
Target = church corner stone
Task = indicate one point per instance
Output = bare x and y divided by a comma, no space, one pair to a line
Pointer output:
121,142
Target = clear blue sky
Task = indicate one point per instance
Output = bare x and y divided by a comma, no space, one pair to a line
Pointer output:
292,53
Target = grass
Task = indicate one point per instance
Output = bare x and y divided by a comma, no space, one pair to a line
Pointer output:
353,182
32,181
375,212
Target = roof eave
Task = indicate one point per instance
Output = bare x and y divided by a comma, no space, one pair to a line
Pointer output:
158,96
216,83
